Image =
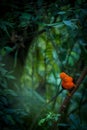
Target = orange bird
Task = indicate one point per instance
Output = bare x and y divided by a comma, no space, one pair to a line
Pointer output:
67,81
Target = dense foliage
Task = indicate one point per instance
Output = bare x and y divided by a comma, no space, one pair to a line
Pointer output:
38,41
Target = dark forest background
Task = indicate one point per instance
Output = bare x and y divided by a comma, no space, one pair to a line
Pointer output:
39,40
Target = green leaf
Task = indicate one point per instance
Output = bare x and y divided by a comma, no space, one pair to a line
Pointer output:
70,24
8,119
10,77
59,25
62,12
63,124
10,92
75,121
8,49
73,58
4,100
3,52
25,16
4,25
42,121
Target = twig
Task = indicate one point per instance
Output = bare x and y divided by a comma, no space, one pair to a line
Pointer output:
54,97
67,99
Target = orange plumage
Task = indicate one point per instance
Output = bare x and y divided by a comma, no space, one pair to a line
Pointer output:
67,81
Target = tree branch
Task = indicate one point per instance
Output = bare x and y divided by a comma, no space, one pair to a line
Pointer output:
67,99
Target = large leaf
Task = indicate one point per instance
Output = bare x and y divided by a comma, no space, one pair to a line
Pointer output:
70,24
